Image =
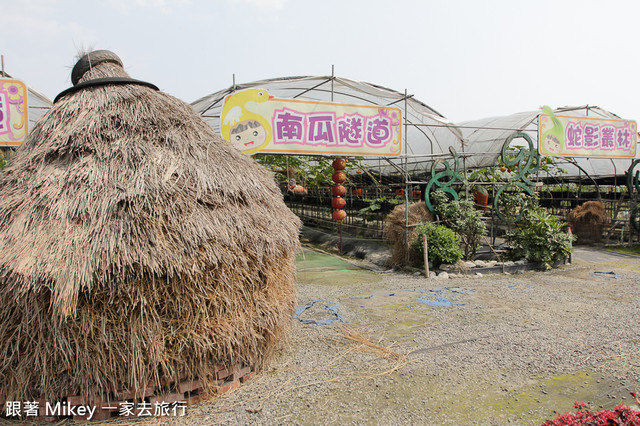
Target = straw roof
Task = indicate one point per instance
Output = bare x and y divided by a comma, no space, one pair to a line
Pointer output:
135,243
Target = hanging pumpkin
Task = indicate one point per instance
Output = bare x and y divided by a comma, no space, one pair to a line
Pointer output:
339,215
339,164
339,177
338,203
338,191
299,189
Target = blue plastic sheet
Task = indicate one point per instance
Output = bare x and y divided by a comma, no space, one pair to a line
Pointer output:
610,274
333,308
440,302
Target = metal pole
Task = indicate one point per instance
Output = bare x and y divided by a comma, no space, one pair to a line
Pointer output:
493,197
332,77
406,186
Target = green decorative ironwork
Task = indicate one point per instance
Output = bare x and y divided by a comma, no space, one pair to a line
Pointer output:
527,161
633,185
451,175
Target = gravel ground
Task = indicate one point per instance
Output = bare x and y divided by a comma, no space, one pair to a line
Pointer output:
500,349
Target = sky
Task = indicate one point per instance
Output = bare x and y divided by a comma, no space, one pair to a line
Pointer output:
467,59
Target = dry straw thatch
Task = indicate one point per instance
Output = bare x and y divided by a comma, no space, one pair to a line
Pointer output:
394,230
587,221
136,244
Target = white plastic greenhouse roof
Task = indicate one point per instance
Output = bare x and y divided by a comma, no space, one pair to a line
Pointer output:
39,105
426,127
429,135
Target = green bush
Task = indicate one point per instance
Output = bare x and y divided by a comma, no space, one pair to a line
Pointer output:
462,217
443,244
539,237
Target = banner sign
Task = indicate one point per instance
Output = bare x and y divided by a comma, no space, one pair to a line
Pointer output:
13,112
562,136
255,122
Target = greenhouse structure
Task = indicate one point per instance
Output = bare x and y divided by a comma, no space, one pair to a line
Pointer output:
439,154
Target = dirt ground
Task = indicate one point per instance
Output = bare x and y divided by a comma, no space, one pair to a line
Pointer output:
393,348
373,348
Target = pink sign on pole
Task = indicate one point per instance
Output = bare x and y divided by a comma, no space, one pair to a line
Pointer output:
13,112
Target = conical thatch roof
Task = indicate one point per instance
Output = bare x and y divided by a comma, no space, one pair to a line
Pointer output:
135,244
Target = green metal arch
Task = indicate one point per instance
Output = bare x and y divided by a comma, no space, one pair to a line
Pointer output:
527,161
446,173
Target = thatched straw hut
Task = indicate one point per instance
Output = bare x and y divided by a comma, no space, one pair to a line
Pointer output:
394,231
135,245
587,222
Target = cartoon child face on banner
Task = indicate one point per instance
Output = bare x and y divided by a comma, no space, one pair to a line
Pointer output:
242,123
248,135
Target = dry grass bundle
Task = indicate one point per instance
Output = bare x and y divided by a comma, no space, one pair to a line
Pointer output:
394,230
136,244
587,221
369,346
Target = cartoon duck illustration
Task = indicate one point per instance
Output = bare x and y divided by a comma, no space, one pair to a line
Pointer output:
552,139
241,122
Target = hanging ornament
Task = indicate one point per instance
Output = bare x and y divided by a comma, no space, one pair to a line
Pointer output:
339,164
338,203
338,191
339,215
339,177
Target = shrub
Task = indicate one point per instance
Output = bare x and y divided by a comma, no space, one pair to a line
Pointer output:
539,237
620,415
462,217
443,243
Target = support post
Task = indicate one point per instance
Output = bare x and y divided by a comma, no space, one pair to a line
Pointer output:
425,246
570,244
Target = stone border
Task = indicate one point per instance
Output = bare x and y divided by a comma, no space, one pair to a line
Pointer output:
494,267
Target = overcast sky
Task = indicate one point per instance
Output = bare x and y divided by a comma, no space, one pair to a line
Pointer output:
467,59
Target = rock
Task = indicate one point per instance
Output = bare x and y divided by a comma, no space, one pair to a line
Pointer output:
491,263
480,263
509,263
432,274
520,262
446,267
479,275
443,275
417,274
469,264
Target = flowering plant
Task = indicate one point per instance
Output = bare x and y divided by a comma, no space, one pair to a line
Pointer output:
619,415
